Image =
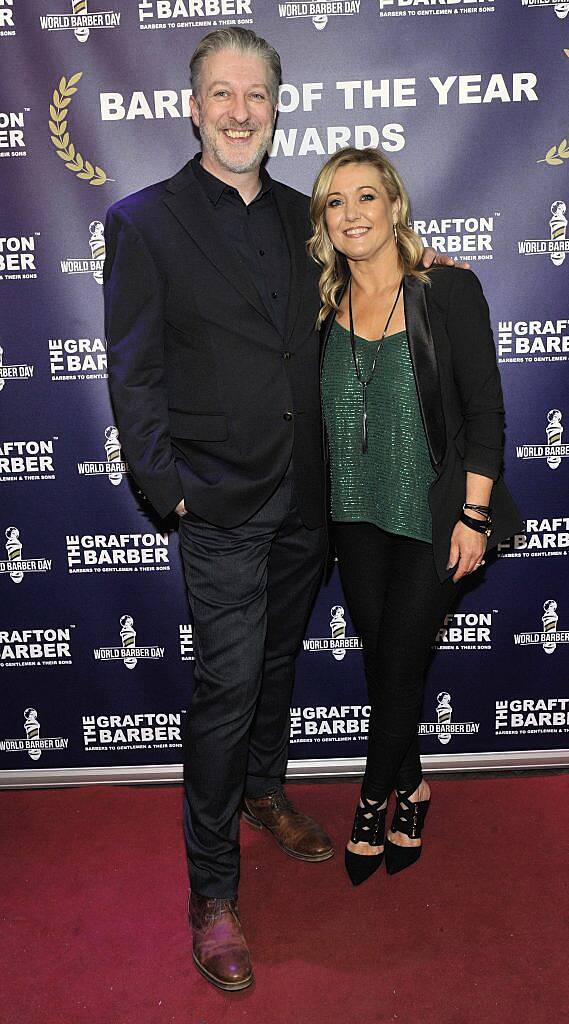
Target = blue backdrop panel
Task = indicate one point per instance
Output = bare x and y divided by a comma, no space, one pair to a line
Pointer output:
468,98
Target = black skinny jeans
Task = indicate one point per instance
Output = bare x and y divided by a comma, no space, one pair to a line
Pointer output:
397,604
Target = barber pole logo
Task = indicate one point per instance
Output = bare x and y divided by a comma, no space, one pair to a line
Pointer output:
32,727
113,452
444,715
33,744
114,466
550,636
129,652
338,630
337,644
554,432
558,228
554,451
14,551
128,640
94,265
14,565
80,20
557,245
97,246
549,619
444,728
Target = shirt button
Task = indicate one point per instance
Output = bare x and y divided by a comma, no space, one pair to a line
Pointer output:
261,252
287,415
286,355
274,295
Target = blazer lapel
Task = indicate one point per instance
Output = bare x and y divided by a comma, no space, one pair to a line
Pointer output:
186,201
295,231
327,327
425,368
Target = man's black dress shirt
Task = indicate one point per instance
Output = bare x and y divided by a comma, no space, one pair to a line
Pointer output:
255,233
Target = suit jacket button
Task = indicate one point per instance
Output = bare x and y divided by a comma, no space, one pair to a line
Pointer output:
287,415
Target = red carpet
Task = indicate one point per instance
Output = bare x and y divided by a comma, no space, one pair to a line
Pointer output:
94,928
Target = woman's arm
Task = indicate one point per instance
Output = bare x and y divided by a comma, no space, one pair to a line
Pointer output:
480,391
476,375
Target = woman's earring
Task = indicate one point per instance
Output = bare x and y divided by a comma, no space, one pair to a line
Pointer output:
395,233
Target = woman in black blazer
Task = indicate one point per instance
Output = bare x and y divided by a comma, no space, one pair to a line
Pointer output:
414,421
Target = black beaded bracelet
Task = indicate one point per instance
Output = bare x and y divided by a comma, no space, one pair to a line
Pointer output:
477,524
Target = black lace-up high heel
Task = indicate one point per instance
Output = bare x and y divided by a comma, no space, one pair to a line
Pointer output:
369,827
409,818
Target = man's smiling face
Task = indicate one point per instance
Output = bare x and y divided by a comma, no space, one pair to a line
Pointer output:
234,111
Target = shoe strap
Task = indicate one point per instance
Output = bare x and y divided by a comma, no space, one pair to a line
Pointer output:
369,823
409,816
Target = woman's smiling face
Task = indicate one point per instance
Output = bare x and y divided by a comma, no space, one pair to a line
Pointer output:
359,213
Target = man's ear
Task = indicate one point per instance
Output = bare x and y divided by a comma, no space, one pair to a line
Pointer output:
195,111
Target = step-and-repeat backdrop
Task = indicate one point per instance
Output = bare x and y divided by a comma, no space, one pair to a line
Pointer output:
469,98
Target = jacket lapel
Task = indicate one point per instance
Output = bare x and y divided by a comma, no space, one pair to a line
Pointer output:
425,368
295,227
327,327
185,200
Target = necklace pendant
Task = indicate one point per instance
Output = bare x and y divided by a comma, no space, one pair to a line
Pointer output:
379,345
364,419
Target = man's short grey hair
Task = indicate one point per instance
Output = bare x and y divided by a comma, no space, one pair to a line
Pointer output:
243,41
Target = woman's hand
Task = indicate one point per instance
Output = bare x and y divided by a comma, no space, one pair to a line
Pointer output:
467,549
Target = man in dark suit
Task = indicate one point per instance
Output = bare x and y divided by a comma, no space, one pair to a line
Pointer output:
211,304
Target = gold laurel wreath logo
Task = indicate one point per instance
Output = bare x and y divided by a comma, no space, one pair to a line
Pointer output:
556,155
65,149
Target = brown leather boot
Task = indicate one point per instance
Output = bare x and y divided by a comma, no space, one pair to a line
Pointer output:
296,833
220,951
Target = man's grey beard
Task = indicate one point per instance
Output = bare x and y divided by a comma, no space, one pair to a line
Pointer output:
209,144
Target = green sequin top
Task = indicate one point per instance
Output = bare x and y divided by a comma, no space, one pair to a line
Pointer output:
388,485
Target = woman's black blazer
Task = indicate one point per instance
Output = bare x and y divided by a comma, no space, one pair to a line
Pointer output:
460,396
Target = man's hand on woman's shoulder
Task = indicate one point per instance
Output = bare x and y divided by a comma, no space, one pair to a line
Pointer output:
441,259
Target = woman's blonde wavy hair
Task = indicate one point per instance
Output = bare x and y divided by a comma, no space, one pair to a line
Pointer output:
335,271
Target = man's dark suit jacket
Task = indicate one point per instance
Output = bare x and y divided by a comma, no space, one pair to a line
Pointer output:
460,395
210,400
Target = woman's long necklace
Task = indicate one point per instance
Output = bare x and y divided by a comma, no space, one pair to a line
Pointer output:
365,382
